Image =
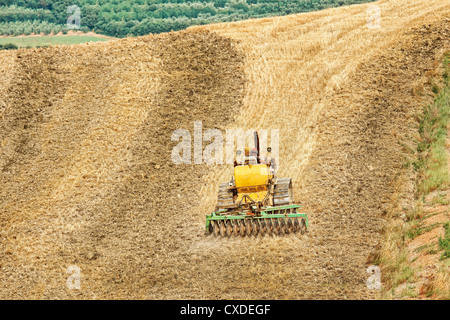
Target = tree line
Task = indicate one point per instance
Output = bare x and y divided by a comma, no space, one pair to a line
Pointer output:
121,18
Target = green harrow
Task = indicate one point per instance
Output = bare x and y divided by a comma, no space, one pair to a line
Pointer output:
278,220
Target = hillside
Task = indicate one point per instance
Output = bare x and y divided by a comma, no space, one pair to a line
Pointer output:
85,153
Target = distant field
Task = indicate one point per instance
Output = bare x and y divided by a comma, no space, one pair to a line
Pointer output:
34,42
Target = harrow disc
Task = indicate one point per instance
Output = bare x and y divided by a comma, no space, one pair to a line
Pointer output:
216,229
276,226
242,228
223,229
269,226
263,227
235,228
209,230
248,227
282,227
302,226
229,229
290,226
256,227
296,225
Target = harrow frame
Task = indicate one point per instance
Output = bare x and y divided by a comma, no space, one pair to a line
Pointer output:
279,212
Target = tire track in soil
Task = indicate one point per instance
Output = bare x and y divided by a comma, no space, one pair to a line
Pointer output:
134,227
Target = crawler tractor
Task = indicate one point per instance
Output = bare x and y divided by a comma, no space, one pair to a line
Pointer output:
255,201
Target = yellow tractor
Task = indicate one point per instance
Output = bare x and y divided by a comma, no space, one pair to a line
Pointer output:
255,201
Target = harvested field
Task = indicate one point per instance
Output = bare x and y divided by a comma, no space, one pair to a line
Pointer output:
86,176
